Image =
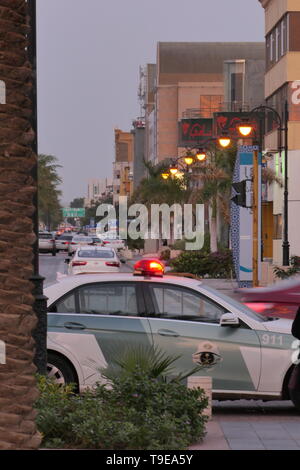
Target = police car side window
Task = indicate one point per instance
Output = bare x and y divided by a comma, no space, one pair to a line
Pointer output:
64,305
108,299
183,304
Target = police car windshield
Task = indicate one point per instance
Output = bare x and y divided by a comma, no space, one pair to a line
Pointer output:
95,254
239,305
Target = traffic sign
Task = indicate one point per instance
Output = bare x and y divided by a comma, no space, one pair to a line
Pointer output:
73,212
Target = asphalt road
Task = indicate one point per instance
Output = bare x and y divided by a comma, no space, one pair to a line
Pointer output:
51,265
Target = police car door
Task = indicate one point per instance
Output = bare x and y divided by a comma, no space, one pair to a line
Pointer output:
186,323
97,322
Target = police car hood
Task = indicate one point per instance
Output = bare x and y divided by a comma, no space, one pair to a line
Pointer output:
280,325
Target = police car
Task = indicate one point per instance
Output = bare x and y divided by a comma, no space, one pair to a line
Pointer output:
93,318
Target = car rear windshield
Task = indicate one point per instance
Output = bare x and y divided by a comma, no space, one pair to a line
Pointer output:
95,254
82,239
45,236
66,237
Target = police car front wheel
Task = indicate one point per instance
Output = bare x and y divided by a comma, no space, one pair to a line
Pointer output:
59,370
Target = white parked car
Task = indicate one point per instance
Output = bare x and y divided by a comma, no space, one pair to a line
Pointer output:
94,259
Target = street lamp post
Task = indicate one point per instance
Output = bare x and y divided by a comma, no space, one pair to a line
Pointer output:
40,301
282,129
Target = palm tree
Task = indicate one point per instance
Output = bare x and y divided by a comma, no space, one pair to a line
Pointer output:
18,390
48,192
215,178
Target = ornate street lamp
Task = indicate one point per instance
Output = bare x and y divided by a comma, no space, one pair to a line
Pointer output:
246,130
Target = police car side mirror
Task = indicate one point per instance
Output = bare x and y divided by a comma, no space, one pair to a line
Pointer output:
230,319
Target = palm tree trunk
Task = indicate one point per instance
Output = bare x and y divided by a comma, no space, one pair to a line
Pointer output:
18,390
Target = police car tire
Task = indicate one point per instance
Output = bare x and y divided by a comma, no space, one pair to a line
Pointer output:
64,370
294,386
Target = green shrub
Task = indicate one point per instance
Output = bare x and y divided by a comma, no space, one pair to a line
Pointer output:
291,271
137,409
215,265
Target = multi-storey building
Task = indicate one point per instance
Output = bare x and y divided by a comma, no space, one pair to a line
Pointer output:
97,189
282,85
196,80
123,165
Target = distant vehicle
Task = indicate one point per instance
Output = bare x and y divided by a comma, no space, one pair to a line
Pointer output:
64,242
94,259
116,243
97,241
78,241
280,300
47,243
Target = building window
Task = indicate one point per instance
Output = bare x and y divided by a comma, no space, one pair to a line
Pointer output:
276,101
277,41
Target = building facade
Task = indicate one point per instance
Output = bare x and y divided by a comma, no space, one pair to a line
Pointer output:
97,189
282,85
199,79
123,165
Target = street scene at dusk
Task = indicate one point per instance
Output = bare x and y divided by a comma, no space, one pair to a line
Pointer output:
149,228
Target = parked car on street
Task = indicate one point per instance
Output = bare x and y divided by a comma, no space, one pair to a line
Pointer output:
281,300
93,259
47,243
93,318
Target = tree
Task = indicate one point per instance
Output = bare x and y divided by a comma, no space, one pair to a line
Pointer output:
215,176
18,390
48,192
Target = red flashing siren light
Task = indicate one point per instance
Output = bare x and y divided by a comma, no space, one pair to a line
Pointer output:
148,267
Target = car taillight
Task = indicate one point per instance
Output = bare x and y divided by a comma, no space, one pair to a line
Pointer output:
65,243
79,263
105,243
113,263
260,307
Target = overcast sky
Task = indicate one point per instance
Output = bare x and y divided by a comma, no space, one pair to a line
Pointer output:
89,53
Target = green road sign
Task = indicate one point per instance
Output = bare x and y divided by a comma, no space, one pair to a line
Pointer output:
72,212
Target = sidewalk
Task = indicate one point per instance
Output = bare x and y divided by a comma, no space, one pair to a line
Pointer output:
278,429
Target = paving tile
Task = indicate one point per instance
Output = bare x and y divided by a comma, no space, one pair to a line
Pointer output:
240,434
245,444
280,444
293,429
272,434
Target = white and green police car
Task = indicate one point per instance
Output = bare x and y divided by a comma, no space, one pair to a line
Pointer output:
94,317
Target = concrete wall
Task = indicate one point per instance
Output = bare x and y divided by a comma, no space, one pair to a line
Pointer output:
167,117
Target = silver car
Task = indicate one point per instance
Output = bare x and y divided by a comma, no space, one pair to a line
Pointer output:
47,243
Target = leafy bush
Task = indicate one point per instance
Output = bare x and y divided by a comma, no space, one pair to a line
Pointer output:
139,408
216,265
291,271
